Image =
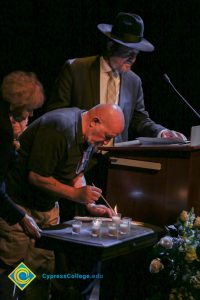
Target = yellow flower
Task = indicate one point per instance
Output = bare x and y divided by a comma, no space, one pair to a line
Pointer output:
156,266
184,216
191,255
197,222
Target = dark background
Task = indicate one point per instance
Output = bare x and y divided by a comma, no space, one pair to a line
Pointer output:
39,35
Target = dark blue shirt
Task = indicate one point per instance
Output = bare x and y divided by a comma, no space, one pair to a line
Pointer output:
51,146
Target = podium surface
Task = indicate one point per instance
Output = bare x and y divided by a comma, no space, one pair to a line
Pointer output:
154,183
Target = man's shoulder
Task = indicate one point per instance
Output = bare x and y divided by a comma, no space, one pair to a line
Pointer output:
132,76
82,61
62,117
56,121
61,114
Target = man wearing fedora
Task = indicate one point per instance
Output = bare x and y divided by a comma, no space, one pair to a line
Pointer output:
85,82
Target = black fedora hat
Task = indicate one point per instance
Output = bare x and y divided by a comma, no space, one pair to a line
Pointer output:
127,29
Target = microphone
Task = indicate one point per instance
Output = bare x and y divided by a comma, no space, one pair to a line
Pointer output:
167,79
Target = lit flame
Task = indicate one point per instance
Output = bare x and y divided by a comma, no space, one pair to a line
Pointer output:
115,209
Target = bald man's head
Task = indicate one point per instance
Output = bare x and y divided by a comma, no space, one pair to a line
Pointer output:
102,123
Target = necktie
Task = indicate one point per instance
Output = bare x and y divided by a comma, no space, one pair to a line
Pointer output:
111,89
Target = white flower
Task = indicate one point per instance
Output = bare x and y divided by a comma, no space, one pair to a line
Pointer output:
166,242
156,266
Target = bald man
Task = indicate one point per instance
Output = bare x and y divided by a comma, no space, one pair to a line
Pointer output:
54,152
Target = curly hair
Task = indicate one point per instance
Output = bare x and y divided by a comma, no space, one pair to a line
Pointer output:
22,89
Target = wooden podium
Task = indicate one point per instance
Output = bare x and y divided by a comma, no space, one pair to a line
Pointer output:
153,184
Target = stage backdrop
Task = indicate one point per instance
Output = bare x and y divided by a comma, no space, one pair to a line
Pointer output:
40,35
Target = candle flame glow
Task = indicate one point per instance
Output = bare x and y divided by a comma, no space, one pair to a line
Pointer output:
115,209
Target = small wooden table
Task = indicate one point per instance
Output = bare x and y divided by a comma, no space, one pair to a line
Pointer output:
60,239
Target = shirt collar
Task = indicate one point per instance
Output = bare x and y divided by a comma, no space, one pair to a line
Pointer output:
104,65
105,68
83,145
79,131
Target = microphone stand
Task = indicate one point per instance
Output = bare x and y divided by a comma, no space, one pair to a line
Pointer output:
167,79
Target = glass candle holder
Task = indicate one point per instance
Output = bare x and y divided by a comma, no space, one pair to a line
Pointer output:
76,226
124,227
127,220
112,229
116,218
96,228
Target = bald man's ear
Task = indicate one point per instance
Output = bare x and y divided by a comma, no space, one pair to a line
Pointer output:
94,122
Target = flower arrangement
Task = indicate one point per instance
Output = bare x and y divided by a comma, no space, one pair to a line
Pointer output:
176,265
